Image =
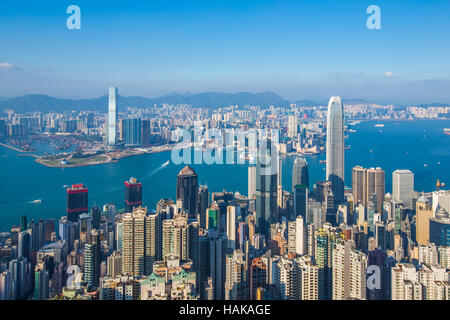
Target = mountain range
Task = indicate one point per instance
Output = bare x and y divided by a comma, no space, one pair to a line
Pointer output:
44,103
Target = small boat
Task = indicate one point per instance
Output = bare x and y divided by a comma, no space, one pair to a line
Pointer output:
165,164
38,201
425,165
379,125
323,161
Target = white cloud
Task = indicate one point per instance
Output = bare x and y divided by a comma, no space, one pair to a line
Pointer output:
390,74
8,66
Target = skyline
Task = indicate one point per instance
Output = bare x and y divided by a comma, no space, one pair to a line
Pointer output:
299,50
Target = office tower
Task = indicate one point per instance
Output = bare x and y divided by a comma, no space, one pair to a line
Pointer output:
5,285
325,195
133,194
335,147
213,259
119,235
231,226
424,212
441,199
266,187
349,272
23,223
49,230
146,132
292,126
175,237
84,227
359,176
203,205
77,201
137,244
187,191
300,186
213,218
20,276
376,186
257,277
314,214
41,282
236,276
403,187
440,228
92,260
121,130
96,217
251,182
367,182
132,128
112,116
24,244
114,264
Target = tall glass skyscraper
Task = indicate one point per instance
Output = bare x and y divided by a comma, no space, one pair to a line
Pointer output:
112,116
132,132
300,186
335,147
266,187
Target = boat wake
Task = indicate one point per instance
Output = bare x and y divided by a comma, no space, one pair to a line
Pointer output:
165,164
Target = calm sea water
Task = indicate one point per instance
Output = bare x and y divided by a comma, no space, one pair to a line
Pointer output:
399,145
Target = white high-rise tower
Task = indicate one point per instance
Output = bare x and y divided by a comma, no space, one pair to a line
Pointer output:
335,147
112,116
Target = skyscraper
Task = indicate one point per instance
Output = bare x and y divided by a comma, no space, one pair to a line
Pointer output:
366,183
187,191
251,182
203,205
266,187
335,147
300,186
292,126
133,194
92,255
137,244
132,128
112,116
403,187
424,213
349,272
77,201
231,226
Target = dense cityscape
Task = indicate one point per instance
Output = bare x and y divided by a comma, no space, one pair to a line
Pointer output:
320,240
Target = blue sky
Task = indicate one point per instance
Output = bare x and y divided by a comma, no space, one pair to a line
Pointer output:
300,49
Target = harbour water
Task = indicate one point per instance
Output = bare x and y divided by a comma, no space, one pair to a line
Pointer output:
420,146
